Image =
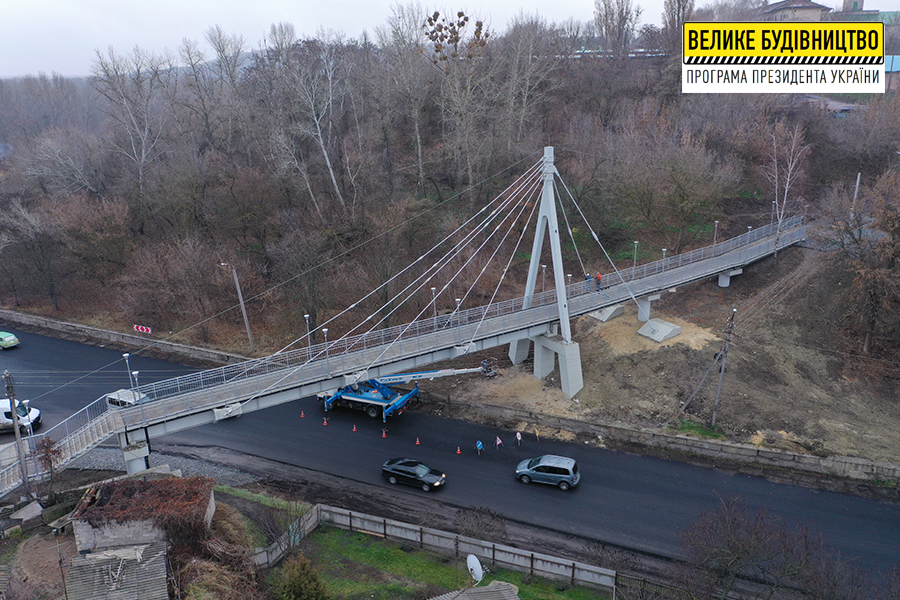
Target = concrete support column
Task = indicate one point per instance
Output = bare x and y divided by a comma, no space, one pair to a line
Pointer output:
570,376
136,453
518,351
644,306
725,278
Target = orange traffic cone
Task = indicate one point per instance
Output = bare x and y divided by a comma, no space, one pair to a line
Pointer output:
417,442
324,420
301,414
458,451
354,427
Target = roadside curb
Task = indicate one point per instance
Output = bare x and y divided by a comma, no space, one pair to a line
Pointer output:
859,469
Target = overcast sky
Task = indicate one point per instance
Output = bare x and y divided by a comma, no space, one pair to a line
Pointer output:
63,36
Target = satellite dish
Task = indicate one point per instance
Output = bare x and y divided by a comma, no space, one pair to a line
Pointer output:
475,570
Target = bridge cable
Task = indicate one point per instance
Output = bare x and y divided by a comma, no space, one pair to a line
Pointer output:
530,174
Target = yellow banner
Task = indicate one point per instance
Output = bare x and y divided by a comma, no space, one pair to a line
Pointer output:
798,42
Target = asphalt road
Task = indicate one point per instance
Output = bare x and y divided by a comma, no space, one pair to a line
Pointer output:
636,502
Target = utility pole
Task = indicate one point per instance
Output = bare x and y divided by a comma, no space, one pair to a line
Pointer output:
14,410
729,329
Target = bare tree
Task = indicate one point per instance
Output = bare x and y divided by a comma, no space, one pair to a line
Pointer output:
668,179
34,245
734,542
528,56
136,88
403,44
675,14
616,22
467,87
785,170
66,161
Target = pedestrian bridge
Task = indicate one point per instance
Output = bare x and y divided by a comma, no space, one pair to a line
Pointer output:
208,396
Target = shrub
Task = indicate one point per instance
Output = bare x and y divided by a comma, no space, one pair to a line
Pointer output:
297,581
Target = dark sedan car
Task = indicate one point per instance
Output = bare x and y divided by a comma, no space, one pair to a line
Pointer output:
412,472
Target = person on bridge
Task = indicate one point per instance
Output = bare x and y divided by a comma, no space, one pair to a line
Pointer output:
599,280
587,282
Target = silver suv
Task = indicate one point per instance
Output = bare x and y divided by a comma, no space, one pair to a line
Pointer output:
552,469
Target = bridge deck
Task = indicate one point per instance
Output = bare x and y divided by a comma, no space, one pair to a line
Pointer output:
188,401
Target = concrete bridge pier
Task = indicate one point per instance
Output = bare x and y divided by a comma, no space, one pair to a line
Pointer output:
725,278
135,452
546,349
644,306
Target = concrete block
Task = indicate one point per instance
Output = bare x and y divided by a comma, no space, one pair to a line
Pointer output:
610,312
659,330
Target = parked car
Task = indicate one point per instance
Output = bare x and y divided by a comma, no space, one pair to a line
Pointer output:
549,468
8,340
125,398
412,472
28,416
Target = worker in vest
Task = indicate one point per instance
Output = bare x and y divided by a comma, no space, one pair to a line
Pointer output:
599,277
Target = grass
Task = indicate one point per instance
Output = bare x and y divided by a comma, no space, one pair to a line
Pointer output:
261,498
701,430
355,566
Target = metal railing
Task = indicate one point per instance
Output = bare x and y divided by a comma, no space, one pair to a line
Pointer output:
189,394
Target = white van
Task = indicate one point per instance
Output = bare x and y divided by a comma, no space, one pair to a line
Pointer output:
125,398
29,418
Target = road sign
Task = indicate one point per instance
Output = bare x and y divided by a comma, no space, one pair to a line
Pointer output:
143,329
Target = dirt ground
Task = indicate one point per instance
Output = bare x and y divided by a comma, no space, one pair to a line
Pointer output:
792,379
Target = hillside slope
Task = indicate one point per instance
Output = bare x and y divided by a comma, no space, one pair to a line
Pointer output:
790,381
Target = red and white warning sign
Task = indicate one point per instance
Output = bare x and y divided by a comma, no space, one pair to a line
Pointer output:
143,329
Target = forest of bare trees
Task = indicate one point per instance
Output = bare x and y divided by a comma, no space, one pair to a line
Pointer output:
318,166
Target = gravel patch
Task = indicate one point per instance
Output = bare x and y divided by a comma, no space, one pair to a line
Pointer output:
110,459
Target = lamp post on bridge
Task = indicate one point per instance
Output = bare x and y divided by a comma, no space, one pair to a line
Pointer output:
141,397
543,278
772,218
327,364
634,262
715,231
434,305
664,260
308,339
458,320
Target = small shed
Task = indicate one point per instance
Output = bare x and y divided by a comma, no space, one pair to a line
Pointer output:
129,512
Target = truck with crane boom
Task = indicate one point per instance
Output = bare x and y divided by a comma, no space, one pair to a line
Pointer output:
376,397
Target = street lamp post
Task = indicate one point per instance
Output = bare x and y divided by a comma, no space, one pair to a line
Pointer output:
140,398
458,320
634,263
308,339
569,275
128,368
543,277
664,260
715,232
434,305
772,218
237,284
327,363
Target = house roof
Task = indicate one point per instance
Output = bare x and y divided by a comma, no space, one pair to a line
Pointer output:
791,5
130,573
496,590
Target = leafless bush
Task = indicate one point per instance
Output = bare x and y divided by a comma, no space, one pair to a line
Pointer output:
482,523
